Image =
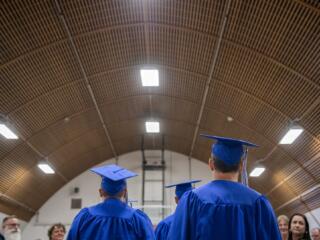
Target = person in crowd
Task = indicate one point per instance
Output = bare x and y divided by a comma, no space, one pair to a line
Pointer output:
283,222
113,218
315,233
224,208
11,228
298,227
163,227
57,232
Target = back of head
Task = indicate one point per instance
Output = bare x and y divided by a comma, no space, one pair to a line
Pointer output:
224,167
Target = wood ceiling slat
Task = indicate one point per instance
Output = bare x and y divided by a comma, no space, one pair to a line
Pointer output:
83,16
111,86
282,195
286,31
128,144
17,37
82,162
304,148
170,108
177,144
7,146
65,131
10,209
35,75
47,110
312,123
15,164
111,49
247,110
90,140
312,199
214,122
181,49
40,187
205,17
273,84
135,107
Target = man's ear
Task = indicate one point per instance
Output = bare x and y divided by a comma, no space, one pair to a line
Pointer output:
102,193
211,164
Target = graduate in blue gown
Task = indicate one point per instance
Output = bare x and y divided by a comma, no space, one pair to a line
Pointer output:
225,209
112,219
163,227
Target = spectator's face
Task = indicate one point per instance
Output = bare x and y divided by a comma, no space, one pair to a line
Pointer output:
315,234
283,226
298,226
57,233
11,229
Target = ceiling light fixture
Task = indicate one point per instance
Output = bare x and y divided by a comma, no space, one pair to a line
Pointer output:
257,171
293,133
46,168
152,127
229,119
150,77
5,128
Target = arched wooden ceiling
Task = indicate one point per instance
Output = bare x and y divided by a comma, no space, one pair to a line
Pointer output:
256,61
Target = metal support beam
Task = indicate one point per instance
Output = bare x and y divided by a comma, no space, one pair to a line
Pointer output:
84,74
14,202
214,61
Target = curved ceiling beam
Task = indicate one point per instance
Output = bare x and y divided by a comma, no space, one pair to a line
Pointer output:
210,77
84,74
317,10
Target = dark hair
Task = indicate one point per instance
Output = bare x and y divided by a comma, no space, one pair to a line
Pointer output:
57,225
221,166
306,235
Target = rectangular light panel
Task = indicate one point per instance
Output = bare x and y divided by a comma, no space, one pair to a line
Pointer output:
6,132
291,136
46,168
257,171
152,127
149,77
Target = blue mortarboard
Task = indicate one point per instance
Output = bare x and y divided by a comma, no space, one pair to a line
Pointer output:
228,150
183,187
113,177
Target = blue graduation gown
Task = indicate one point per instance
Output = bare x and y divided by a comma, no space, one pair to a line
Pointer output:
112,220
224,210
163,228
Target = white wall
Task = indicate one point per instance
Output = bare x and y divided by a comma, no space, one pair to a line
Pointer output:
57,208
311,218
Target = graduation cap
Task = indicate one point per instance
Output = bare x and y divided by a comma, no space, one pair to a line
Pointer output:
113,177
228,150
183,187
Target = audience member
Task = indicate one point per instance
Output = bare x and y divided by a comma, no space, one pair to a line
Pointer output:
57,232
298,227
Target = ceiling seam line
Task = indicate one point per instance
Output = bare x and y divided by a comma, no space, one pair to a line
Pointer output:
71,41
17,203
214,60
